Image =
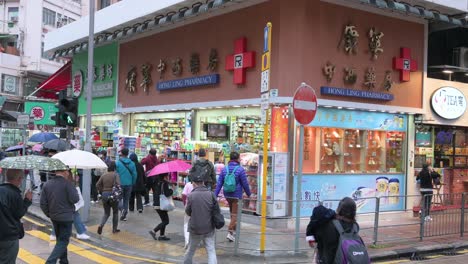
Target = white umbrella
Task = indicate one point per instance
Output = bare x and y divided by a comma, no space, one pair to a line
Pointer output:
80,159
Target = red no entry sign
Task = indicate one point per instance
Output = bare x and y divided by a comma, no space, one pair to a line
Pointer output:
304,104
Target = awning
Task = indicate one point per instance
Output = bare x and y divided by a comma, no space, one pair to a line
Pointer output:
58,81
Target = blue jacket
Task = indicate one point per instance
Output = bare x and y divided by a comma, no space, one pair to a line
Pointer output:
127,176
241,181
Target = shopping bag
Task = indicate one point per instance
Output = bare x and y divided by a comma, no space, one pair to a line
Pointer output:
166,203
80,203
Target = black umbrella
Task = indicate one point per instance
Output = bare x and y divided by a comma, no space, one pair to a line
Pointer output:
58,145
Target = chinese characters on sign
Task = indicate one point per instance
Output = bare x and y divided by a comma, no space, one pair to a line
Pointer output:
448,102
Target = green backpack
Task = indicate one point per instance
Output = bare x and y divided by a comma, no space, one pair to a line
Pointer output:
229,184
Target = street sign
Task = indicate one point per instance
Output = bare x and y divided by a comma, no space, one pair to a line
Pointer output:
265,101
265,82
23,119
304,104
274,93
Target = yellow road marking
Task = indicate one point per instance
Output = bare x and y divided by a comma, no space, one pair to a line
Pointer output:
434,256
392,262
118,254
463,251
29,257
33,221
75,249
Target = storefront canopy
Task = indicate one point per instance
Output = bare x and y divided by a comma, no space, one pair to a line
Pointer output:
56,82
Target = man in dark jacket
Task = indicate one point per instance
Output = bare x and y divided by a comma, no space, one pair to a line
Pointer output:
322,230
12,208
58,200
150,162
200,205
233,197
207,167
139,187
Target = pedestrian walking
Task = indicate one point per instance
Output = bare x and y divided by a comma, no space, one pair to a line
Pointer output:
12,208
139,187
205,167
149,162
162,187
425,178
128,175
80,227
200,205
188,188
322,230
233,181
58,200
105,185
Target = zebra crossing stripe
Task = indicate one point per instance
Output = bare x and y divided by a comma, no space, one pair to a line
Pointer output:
29,257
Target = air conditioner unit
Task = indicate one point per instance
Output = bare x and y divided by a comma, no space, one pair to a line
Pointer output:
460,57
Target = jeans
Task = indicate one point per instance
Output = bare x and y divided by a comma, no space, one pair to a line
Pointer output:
427,200
126,192
107,204
164,222
209,240
63,230
79,226
233,206
9,251
135,196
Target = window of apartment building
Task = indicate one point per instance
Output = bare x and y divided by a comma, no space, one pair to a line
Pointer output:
48,17
104,3
10,84
13,13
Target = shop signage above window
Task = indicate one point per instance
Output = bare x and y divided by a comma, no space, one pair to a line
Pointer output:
188,82
448,102
240,60
324,90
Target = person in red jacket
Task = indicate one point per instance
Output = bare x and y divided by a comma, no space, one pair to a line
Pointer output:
149,162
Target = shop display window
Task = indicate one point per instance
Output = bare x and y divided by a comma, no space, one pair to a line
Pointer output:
423,147
353,151
450,148
159,133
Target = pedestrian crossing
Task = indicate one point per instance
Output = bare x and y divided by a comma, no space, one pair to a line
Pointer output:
35,248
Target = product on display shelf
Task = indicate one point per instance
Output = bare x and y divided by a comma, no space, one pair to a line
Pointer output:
247,130
159,133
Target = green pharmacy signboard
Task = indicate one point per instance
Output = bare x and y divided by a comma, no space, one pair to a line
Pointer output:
41,112
104,79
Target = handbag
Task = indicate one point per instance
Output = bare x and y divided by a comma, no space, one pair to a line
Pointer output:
217,218
165,203
80,203
116,193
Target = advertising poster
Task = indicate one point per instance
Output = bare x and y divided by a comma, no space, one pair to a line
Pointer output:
362,188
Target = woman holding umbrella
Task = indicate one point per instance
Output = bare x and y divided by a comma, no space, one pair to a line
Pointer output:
162,187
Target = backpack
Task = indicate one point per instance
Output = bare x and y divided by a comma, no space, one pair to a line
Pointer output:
230,184
351,249
200,168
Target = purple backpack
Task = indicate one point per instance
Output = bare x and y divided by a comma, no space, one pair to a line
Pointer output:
351,249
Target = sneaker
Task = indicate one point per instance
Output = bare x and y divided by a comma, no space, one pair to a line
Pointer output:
230,237
52,238
163,238
123,218
146,204
82,236
153,234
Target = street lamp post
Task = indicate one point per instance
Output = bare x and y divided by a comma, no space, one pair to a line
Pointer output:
89,98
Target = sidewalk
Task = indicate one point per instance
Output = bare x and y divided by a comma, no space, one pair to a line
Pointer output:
134,238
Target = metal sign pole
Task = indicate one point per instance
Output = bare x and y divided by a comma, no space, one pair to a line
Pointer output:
87,173
299,188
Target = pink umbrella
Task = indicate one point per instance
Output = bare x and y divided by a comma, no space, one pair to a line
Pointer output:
171,166
37,148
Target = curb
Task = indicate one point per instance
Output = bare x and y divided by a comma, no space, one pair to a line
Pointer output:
412,251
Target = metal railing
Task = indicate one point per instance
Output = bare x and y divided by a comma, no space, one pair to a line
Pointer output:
447,214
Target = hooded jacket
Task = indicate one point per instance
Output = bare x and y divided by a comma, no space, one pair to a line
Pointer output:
127,171
325,233
149,162
12,208
241,181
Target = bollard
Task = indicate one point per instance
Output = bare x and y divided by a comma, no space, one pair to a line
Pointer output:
421,227
239,219
376,219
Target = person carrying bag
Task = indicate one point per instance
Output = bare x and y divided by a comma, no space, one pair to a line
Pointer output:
109,186
163,191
